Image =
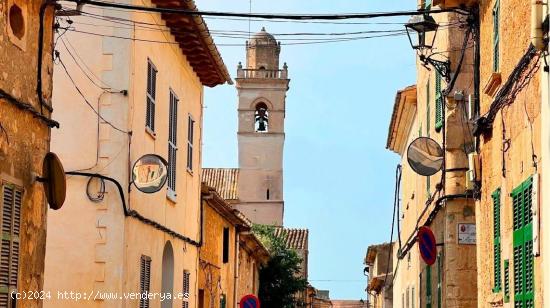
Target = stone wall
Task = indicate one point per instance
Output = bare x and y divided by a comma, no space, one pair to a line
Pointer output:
24,139
506,154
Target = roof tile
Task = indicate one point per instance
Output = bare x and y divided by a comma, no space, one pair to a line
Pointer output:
224,180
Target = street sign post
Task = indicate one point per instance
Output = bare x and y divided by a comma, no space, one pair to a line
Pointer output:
426,245
249,301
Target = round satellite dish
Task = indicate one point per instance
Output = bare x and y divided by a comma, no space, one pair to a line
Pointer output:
54,181
425,156
150,173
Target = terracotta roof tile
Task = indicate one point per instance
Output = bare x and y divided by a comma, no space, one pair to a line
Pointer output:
294,238
224,180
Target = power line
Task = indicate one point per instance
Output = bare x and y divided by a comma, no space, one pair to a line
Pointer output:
86,100
266,15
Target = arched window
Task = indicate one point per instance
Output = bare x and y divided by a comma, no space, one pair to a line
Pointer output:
261,116
167,285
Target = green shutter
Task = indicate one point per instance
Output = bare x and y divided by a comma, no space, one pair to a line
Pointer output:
496,35
439,280
506,281
428,286
524,292
438,102
428,109
497,278
222,301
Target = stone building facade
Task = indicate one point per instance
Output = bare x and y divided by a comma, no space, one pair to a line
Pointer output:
510,211
444,201
379,262
230,256
147,98
25,112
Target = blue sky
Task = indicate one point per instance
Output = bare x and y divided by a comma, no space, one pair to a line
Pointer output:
338,176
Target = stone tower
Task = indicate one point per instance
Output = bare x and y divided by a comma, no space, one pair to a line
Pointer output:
262,88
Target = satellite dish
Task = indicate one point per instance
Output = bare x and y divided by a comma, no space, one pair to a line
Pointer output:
425,156
54,181
150,173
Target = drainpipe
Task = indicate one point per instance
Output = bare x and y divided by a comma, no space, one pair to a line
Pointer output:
236,265
536,24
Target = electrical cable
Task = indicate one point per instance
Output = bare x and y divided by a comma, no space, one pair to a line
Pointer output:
100,194
86,100
186,12
394,218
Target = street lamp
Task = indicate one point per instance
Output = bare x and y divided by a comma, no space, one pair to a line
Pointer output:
421,30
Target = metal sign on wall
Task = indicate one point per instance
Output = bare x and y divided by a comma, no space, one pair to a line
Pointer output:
467,233
249,301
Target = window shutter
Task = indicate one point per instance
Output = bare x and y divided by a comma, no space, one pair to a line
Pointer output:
439,281
223,301
523,245
506,281
497,278
144,281
496,36
190,135
150,96
186,286
438,102
172,141
9,246
428,286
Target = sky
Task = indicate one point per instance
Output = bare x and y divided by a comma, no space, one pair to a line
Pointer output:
338,176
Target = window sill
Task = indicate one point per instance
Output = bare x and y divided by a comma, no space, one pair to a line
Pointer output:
150,132
171,195
493,84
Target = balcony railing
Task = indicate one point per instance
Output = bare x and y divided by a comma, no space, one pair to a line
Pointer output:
262,73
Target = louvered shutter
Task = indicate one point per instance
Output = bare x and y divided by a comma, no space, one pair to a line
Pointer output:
172,141
144,281
428,286
497,251
150,96
523,245
186,287
10,242
496,36
506,281
190,136
438,102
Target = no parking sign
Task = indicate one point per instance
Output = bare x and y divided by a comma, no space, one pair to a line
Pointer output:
249,301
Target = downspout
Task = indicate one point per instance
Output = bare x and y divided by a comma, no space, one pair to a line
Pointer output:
236,265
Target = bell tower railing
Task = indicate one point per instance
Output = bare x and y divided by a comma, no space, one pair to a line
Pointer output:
262,73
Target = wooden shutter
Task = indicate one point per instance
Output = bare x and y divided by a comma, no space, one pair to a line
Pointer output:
172,141
497,251
428,286
150,96
439,281
12,198
506,281
223,301
144,281
190,136
186,287
438,102
496,36
523,245
225,245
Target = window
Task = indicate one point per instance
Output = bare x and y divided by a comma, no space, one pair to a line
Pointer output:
496,36
412,297
186,286
144,281
497,284
225,245
9,248
223,301
172,143
428,286
151,92
261,118
438,102
524,293
407,298
190,134
427,4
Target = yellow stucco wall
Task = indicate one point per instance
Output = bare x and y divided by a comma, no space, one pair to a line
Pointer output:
522,124
92,246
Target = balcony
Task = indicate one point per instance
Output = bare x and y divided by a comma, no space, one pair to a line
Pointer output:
262,73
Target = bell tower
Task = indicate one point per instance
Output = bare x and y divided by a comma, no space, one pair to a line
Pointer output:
262,88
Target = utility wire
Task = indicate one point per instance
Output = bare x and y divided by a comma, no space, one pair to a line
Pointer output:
85,99
266,15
